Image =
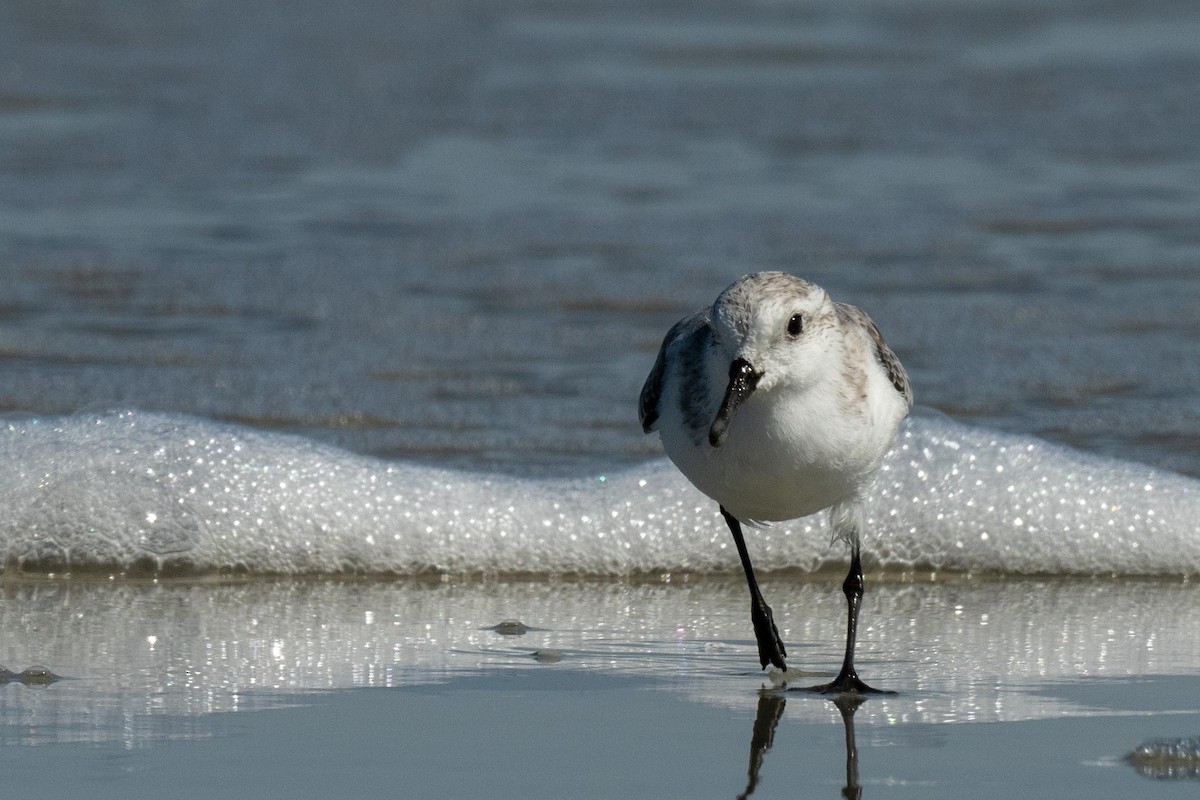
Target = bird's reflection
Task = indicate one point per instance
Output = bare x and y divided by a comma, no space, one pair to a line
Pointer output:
847,704
770,710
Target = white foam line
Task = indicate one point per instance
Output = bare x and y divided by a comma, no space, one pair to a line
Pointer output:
124,490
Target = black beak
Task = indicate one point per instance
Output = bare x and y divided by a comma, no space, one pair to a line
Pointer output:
742,380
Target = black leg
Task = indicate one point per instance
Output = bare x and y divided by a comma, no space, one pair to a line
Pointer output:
770,645
847,679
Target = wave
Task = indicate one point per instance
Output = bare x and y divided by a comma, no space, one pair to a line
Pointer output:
159,493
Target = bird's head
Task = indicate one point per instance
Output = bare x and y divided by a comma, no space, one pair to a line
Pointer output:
772,330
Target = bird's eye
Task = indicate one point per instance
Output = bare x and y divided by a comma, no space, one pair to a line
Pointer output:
795,325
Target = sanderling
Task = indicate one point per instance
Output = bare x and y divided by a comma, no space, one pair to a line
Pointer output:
778,402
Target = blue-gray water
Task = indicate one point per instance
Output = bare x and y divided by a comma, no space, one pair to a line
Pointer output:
456,232
453,234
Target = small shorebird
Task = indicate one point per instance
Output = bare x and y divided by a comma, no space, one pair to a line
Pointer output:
778,402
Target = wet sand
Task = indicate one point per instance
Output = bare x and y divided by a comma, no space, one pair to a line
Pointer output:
572,733
361,688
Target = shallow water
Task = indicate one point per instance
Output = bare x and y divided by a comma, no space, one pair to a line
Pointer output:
964,650
453,235
531,733
1003,686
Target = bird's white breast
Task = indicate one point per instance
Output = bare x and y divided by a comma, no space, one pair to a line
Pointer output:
789,454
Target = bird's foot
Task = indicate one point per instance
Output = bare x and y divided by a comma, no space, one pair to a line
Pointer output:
847,682
770,643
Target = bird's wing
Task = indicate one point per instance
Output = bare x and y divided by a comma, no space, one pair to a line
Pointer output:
652,389
887,359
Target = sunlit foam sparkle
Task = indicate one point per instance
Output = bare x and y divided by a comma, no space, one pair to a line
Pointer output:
134,490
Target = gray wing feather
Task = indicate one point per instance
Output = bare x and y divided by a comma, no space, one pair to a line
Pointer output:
652,391
651,396
888,359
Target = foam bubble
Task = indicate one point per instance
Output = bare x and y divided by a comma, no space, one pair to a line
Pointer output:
166,492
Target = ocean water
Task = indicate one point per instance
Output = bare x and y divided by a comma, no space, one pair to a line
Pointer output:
457,234
321,320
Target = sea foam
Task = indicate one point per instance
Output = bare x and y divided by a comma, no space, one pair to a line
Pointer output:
151,492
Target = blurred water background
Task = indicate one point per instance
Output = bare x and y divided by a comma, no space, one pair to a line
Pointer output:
456,232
